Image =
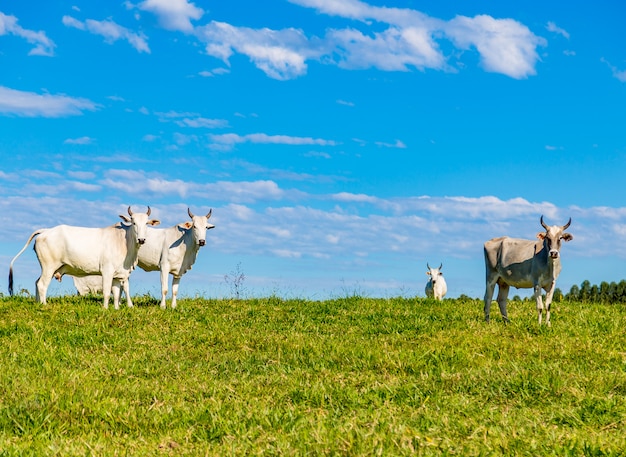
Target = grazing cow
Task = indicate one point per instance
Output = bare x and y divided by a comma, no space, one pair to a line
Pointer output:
436,286
109,252
171,251
525,264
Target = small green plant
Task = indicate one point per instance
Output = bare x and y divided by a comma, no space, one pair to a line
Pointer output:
235,281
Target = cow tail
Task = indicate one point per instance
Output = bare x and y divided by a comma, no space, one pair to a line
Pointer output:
35,233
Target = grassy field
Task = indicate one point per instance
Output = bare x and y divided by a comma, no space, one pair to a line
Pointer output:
349,376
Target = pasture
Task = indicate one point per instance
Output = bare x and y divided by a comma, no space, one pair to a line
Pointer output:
347,376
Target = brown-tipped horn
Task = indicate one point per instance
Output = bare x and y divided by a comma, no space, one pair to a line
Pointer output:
543,224
209,213
130,213
189,212
568,224
149,211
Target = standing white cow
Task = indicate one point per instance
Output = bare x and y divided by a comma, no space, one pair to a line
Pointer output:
524,264
436,286
109,252
171,251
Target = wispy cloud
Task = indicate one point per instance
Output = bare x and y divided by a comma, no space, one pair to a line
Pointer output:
30,104
397,144
81,140
110,31
214,72
44,46
552,27
201,122
263,138
618,74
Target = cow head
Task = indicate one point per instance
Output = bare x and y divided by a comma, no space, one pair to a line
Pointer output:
199,225
138,223
434,273
553,236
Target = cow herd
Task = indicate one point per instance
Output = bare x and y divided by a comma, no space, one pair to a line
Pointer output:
102,259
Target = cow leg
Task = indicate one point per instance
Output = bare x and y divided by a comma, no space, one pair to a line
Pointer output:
42,283
175,282
539,302
549,294
491,285
126,285
115,289
164,278
107,285
503,294
41,287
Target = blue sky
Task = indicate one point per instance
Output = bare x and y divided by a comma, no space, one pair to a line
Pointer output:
341,144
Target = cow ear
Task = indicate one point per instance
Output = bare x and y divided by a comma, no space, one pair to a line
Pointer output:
187,225
125,218
541,235
154,222
428,273
567,237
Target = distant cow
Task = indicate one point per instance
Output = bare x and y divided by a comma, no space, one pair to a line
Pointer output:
525,264
171,251
436,286
109,252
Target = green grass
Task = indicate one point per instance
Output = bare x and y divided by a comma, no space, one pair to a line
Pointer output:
349,376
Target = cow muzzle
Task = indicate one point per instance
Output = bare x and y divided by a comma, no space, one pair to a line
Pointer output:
141,241
201,242
554,254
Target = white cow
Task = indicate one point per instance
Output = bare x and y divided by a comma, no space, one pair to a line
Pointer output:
171,251
436,286
524,264
109,252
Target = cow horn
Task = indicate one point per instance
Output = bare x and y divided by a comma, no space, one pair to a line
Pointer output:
427,266
189,212
543,224
209,213
149,211
568,224
130,213
441,265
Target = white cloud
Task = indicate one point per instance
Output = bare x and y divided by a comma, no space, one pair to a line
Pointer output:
30,104
281,54
81,140
409,41
552,27
505,46
397,144
110,31
262,138
201,122
214,72
43,45
620,75
173,14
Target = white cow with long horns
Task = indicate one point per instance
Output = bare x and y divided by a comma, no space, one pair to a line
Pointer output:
436,286
110,252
